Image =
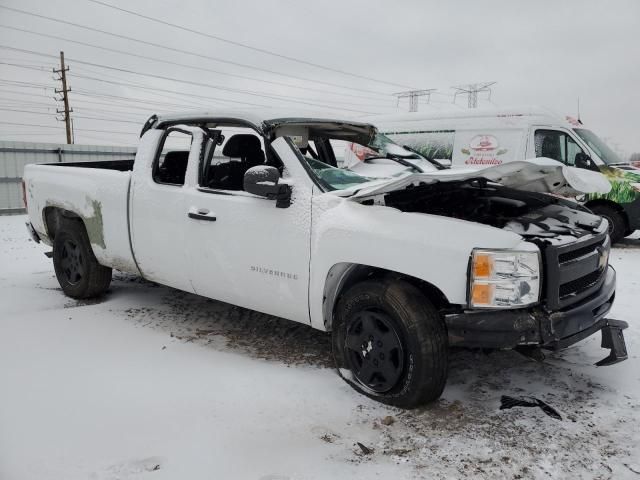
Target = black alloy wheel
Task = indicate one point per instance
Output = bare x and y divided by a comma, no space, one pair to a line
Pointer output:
78,271
374,351
72,262
390,343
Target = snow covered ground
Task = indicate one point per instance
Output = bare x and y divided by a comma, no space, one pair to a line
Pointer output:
152,383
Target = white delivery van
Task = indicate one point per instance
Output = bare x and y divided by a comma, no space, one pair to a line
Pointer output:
487,137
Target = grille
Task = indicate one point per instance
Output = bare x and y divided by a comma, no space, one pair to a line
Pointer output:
577,253
580,284
574,271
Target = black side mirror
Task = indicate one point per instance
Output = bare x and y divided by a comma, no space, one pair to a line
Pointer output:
264,182
583,160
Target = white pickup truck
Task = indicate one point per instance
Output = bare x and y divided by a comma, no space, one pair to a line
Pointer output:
252,210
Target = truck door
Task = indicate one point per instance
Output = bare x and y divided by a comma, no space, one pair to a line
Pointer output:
242,249
158,218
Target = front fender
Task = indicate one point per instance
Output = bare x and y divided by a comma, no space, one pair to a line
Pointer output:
432,248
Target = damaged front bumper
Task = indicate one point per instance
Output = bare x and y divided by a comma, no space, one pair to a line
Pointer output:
538,327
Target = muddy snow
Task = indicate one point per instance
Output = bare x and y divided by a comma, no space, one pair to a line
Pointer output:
153,383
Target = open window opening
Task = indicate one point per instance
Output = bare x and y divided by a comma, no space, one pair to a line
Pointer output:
170,165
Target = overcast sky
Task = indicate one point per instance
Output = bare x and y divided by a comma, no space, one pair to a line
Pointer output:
546,53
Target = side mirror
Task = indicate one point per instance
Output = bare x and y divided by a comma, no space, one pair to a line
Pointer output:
583,160
264,181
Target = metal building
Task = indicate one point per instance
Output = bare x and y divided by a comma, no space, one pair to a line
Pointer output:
15,155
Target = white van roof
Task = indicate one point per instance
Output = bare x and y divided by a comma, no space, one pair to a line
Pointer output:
511,117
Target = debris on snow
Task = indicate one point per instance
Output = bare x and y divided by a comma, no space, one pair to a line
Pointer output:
507,402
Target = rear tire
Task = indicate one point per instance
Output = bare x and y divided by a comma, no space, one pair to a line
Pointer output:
617,225
393,341
78,272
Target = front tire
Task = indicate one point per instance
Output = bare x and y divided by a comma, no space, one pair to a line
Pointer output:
78,272
393,342
617,225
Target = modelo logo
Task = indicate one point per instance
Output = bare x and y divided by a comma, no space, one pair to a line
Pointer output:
483,143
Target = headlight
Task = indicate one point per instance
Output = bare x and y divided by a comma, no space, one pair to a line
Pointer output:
504,279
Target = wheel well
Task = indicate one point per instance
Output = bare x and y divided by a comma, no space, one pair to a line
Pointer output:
601,202
53,217
344,275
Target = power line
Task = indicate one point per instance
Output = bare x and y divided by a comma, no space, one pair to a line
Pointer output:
169,62
25,67
90,94
187,52
18,92
289,98
157,97
60,128
244,45
81,105
142,87
77,92
197,84
76,116
23,84
145,113
133,85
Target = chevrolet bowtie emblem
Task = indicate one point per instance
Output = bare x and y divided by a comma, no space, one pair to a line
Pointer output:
603,258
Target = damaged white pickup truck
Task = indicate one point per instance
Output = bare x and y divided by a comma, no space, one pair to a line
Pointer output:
252,210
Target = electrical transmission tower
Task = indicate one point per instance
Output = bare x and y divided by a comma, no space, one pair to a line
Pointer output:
472,90
414,95
65,97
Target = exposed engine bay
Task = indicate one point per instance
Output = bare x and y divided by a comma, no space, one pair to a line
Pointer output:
540,218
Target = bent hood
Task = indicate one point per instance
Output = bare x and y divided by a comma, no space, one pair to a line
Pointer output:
541,175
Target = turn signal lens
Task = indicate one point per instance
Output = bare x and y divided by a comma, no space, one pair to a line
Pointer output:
482,265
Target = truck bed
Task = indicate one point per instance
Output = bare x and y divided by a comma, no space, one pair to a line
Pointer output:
97,193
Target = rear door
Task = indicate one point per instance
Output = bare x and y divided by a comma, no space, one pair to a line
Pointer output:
158,213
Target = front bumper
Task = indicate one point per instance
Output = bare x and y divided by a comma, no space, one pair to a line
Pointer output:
538,327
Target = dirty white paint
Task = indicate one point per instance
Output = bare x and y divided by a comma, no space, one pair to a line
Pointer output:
98,196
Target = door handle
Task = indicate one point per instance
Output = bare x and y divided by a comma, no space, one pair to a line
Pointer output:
202,214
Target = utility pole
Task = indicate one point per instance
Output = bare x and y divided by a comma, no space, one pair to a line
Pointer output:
65,96
414,95
472,90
